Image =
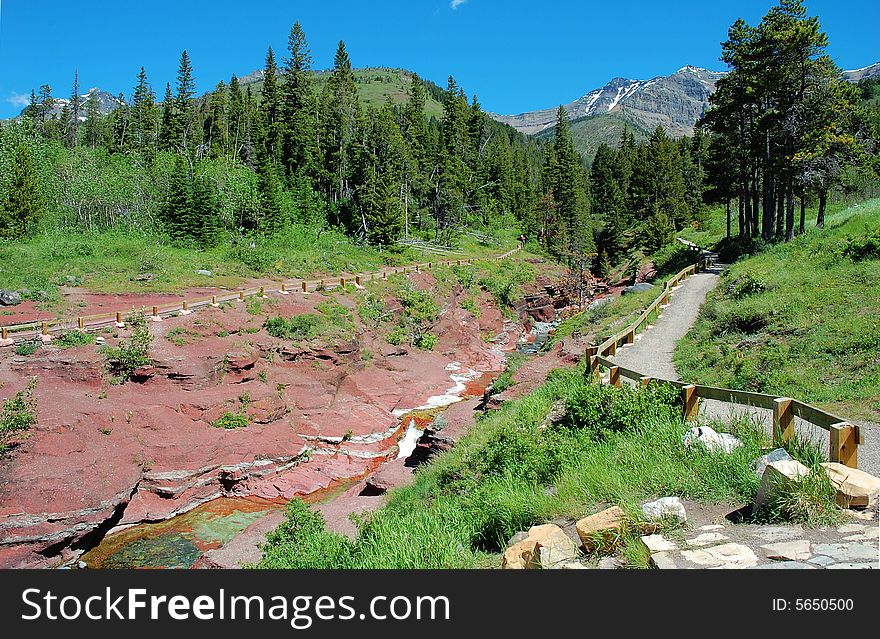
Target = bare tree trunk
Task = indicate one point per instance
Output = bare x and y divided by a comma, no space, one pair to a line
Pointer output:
780,210
823,201
789,209
728,218
802,228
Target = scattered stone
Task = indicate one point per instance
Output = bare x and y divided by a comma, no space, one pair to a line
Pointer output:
9,298
204,272
144,277
772,534
847,552
874,533
554,546
545,546
783,565
849,529
82,565
611,563
571,565
521,556
724,556
705,539
777,476
821,560
658,543
710,439
665,507
518,537
606,524
663,561
851,566
638,288
855,488
712,527
73,280
797,550
100,340
780,454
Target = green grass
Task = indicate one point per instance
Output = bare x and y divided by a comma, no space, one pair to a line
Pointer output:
231,421
332,321
799,319
72,339
464,505
110,261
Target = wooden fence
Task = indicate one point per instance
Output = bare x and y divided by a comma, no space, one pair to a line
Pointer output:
102,320
844,438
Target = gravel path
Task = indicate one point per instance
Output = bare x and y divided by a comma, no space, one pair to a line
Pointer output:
652,352
652,355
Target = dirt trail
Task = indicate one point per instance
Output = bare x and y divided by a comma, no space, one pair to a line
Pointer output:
652,355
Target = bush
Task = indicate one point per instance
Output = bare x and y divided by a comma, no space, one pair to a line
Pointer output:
300,541
72,339
606,409
297,327
18,414
130,353
747,285
859,249
231,421
27,348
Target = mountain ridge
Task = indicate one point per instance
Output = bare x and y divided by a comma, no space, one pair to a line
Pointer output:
675,101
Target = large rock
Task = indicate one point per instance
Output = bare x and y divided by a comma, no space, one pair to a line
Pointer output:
776,477
554,546
522,555
638,288
710,439
9,298
855,488
665,507
545,546
602,528
779,454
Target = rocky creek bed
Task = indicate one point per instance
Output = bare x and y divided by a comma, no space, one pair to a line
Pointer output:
111,470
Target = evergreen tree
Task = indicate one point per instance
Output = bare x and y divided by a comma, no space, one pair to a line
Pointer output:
72,138
93,125
298,112
24,205
168,137
144,118
270,109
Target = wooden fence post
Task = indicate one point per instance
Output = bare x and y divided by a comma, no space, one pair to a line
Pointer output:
844,445
614,376
612,350
384,276
783,421
4,334
342,282
690,403
305,287
631,337
80,323
241,295
357,280
644,382
44,330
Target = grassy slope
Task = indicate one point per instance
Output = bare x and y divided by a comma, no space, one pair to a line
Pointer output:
109,261
464,506
813,331
375,87
592,131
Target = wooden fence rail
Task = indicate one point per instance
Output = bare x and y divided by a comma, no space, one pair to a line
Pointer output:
102,320
844,438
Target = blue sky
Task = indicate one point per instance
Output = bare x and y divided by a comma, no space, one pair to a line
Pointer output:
517,55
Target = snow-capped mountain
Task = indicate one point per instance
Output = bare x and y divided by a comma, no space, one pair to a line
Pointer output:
107,102
676,101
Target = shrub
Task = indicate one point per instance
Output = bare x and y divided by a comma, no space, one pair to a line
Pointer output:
27,348
129,354
809,501
300,541
606,409
863,248
747,285
18,414
231,421
426,341
304,326
72,339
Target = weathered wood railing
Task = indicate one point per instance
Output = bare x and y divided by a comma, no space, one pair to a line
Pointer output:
844,438
101,320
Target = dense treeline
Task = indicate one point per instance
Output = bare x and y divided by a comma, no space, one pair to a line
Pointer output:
255,163
784,124
297,152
